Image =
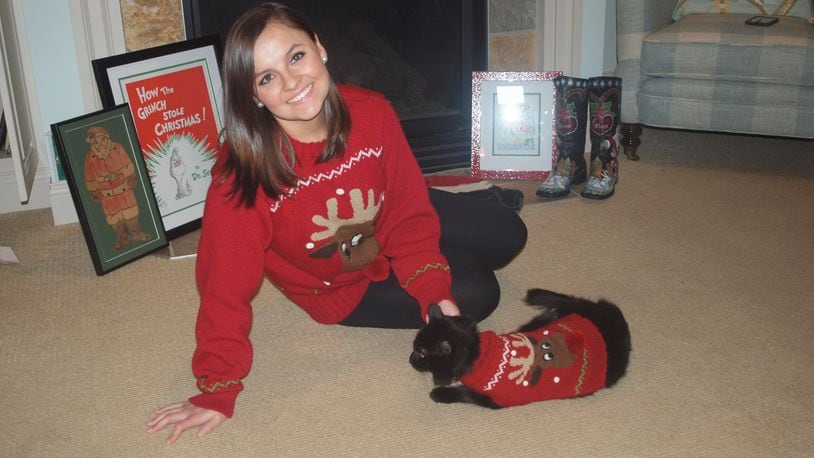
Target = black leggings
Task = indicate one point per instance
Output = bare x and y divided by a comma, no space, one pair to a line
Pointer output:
477,237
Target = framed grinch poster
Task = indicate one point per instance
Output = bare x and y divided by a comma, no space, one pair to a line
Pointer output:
175,97
513,125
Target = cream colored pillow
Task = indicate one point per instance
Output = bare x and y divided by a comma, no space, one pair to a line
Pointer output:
799,8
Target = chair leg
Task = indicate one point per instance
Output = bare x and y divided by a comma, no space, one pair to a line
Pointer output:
630,139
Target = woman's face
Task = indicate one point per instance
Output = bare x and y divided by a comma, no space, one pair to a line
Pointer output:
291,80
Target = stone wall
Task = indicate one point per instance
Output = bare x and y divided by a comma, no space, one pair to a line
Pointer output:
512,37
149,23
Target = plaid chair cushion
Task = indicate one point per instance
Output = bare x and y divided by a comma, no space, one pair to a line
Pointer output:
728,106
799,8
723,47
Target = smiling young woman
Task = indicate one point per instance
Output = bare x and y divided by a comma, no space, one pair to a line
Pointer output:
317,189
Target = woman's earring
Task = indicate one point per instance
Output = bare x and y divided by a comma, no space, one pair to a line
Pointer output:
324,59
259,104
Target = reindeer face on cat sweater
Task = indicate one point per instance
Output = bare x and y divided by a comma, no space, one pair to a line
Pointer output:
564,359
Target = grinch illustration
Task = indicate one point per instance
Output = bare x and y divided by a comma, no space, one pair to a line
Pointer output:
110,178
179,169
178,172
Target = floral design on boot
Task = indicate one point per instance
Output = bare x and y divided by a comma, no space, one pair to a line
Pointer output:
602,180
571,108
558,183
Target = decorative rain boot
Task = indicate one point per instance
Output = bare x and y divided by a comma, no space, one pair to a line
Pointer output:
571,111
604,99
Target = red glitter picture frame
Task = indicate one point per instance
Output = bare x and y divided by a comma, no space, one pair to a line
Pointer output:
513,125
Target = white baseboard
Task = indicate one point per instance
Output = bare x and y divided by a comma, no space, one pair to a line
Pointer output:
10,196
44,194
62,208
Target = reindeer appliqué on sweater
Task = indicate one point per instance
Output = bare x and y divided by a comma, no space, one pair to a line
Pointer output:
537,355
352,238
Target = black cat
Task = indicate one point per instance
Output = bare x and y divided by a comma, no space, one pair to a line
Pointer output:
573,348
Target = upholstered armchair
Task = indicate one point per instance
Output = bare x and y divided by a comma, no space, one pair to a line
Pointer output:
713,72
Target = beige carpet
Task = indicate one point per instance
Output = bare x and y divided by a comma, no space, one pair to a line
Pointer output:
707,247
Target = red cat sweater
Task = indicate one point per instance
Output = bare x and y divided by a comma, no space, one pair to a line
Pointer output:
345,224
564,359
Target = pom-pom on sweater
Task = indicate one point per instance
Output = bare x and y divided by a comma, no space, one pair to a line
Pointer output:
347,222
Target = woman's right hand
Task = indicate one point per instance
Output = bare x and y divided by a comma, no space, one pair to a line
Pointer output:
184,416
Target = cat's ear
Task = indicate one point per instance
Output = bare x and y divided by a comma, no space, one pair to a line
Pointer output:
445,347
434,312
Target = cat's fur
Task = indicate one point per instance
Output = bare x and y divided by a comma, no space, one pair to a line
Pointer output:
447,347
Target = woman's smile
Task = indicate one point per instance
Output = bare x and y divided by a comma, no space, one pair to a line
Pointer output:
302,95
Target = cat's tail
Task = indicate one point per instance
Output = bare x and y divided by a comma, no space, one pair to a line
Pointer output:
554,306
607,317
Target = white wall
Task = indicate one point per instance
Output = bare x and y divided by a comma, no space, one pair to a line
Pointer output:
598,53
53,57
610,60
577,37
56,85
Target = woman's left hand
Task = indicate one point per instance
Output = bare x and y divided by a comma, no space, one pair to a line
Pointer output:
183,416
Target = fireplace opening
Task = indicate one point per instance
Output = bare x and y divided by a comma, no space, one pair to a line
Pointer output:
419,53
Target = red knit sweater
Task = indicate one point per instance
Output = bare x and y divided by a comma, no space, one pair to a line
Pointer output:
346,223
564,359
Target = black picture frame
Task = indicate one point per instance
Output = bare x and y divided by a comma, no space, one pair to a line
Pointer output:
110,187
175,95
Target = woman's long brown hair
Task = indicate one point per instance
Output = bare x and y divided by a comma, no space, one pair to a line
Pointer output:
260,154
